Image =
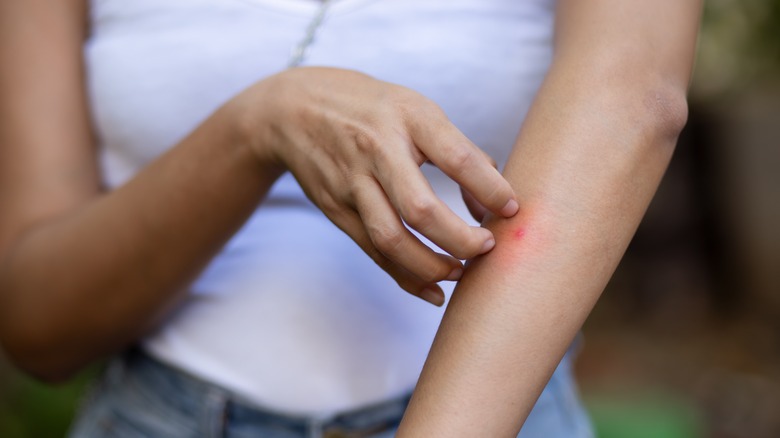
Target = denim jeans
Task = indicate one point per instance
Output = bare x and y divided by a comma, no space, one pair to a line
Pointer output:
138,396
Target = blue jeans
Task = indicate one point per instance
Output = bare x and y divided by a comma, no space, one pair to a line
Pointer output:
140,397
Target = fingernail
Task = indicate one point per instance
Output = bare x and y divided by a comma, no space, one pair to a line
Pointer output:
455,274
432,296
488,245
510,208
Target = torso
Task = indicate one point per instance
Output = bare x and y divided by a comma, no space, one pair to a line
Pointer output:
291,314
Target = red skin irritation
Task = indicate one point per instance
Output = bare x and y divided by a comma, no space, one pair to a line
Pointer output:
509,250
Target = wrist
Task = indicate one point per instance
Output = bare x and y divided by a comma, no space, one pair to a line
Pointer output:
251,127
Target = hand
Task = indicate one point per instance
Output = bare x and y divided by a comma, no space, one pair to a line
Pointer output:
355,145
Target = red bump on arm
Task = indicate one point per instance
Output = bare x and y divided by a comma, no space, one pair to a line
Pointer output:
511,245
516,237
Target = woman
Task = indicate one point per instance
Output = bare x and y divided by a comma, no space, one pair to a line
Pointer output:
268,321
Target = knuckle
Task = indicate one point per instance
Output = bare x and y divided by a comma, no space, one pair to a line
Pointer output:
429,107
420,211
353,187
500,195
329,205
460,158
493,197
408,285
366,141
381,261
435,273
489,159
415,105
387,239
470,246
372,146
408,98
492,191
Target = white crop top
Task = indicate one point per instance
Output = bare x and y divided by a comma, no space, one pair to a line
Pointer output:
292,315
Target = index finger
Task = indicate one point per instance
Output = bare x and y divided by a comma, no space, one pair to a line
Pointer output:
460,159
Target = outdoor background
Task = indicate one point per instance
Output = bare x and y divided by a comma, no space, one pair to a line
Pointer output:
685,342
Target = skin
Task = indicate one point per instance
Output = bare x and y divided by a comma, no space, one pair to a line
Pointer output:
85,272
587,162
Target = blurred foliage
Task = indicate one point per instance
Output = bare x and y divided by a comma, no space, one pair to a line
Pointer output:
739,46
29,409
643,414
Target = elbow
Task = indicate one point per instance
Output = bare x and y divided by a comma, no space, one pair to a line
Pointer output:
642,83
49,375
667,112
36,353
53,376
40,364
32,336
649,97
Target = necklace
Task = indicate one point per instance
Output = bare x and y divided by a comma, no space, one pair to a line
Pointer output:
299,52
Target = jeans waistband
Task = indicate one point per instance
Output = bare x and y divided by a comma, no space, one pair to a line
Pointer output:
236,412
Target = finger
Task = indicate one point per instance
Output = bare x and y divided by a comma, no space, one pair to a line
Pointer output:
488,158
414,199
477,210
352,225
445,146
395,241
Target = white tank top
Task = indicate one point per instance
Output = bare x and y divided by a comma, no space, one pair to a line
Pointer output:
291,314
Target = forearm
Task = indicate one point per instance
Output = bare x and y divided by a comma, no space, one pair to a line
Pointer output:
83,284
589,158
516,309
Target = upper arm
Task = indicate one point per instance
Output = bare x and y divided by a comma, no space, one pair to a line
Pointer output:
47,157
659,36
636,48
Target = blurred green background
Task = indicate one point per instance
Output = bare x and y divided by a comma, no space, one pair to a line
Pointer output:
685,342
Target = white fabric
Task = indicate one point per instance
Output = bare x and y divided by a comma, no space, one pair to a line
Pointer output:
291,314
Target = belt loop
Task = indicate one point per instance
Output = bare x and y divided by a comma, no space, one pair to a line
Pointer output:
315,428
216,411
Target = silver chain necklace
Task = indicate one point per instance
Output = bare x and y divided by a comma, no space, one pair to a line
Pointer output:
299,52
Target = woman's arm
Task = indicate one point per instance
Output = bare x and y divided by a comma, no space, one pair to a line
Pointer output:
587,162
83,273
